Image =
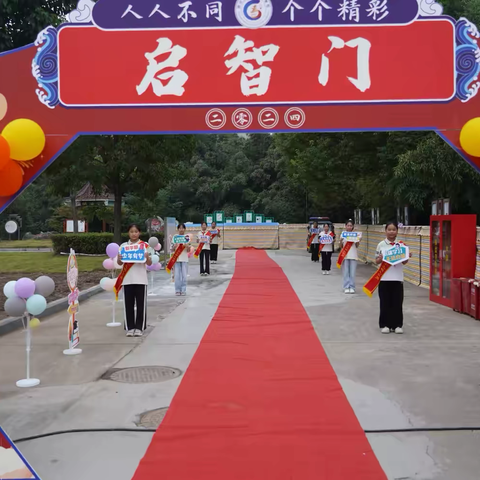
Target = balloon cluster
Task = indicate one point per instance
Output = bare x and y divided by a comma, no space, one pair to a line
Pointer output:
27,296
109,264
21,141
155,244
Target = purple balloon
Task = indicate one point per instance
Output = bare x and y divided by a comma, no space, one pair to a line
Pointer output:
149,268
112,250
155,267
25,288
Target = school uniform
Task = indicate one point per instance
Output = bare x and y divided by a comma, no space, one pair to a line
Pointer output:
204,256
349,267
214,247
181,270
390,292
135,295
314,246
327,252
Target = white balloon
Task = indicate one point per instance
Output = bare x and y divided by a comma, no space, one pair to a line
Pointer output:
107,284
9,289
155,259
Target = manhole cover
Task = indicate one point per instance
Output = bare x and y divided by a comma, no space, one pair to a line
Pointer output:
142,374
152,419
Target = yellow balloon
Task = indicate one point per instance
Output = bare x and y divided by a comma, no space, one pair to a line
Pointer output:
470,137
34,322
26,139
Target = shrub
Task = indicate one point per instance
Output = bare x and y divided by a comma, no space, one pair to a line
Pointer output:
90,243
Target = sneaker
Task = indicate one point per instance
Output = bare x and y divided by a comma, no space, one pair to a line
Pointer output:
347,290
352,290
385,330
138,333
177,294
130,333
207,274
324,272
399,330
328,272
184,294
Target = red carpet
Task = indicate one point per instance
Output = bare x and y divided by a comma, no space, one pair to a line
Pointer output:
260,400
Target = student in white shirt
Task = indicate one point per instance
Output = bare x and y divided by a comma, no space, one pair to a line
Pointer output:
205,253
214,243
327,252
349,264
135,288
390,290
315,243
181,265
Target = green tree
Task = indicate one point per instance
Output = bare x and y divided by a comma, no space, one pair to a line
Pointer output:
22,20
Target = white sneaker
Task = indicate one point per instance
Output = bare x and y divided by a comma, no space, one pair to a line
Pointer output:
347,290
399,331
130,333
352,290
324,272
138,333
328,272
385,330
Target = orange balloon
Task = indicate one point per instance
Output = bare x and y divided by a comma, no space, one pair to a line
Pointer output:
11,179
4,152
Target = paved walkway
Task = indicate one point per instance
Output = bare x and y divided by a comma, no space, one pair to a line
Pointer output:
427,378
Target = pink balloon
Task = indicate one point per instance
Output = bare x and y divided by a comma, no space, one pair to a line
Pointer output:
149,268
156,267
108,264
158,247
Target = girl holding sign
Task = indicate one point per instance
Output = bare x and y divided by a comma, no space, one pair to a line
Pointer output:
180,243
204,241
326,247
390,288
133,278
313,242
215,232
349,263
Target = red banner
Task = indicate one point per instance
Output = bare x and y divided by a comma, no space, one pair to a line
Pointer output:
270,65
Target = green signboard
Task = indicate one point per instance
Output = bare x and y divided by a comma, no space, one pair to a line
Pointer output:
238,217
219,217
229,220
259,218
208,218
249,216
269,220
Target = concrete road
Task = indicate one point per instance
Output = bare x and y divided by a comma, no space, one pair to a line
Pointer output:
425,378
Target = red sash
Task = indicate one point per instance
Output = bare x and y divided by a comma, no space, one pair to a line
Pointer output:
310,240
320,248
175,256
374,280
121,278
343,253
126,267
199,248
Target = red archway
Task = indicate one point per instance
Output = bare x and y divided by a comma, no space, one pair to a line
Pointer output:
412,69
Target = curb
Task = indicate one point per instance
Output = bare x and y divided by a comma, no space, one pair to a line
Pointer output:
15,323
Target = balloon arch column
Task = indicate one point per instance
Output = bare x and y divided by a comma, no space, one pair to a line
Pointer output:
131,67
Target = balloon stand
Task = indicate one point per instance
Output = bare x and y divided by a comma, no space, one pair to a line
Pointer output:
113,323
72,351
151,286
28,382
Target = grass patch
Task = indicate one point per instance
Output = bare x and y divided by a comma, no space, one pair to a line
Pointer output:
26,243
31,262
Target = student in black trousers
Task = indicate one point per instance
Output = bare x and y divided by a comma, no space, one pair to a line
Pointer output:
205,253
314,246
214,243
